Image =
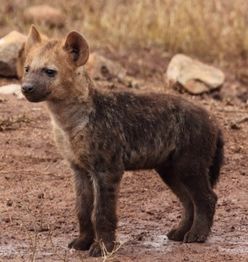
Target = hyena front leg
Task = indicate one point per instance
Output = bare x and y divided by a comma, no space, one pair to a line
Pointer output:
104,218
84,208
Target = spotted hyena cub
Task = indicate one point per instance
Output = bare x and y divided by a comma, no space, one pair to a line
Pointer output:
103,133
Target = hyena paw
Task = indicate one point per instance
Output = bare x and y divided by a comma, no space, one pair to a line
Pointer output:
100,249
176,234
193,236
80,243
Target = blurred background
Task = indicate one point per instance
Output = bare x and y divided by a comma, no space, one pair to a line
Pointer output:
213,29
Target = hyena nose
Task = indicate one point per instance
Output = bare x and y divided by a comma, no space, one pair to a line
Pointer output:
27,88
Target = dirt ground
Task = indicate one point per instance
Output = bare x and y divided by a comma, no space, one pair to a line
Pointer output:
37,214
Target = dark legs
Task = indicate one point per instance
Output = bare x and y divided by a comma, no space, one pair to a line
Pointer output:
177,234
104,216
198,200
96,198
84,207
204,208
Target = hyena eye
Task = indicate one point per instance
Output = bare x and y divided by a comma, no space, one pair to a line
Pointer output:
26,68
49,72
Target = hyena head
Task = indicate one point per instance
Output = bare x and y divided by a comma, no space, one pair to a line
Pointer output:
51,65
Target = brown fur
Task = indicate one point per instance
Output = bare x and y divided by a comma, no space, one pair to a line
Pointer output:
103,133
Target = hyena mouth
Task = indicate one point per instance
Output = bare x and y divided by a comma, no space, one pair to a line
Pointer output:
36,96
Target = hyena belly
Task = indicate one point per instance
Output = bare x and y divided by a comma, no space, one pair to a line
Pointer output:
148,152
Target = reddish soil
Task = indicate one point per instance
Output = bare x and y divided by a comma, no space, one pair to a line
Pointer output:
37,215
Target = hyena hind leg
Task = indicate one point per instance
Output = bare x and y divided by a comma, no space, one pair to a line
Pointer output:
170,178
204,200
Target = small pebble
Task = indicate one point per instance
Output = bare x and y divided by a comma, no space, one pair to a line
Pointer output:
6,219
9,202
235,126
41,195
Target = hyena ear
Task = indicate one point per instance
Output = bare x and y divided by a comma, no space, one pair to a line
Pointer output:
77,48
34,37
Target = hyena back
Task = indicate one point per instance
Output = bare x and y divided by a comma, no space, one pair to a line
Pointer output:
103,133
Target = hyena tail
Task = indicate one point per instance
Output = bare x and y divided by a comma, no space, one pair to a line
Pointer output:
214,171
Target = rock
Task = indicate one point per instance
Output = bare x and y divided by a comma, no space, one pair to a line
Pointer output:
11,46
235,126
44,15
193,75
110,73
102,68
6,219
9,203
41,195
13,89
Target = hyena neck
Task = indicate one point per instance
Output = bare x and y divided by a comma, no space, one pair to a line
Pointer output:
74,111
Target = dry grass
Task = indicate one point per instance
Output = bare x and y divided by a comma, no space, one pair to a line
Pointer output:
106,255
213,28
